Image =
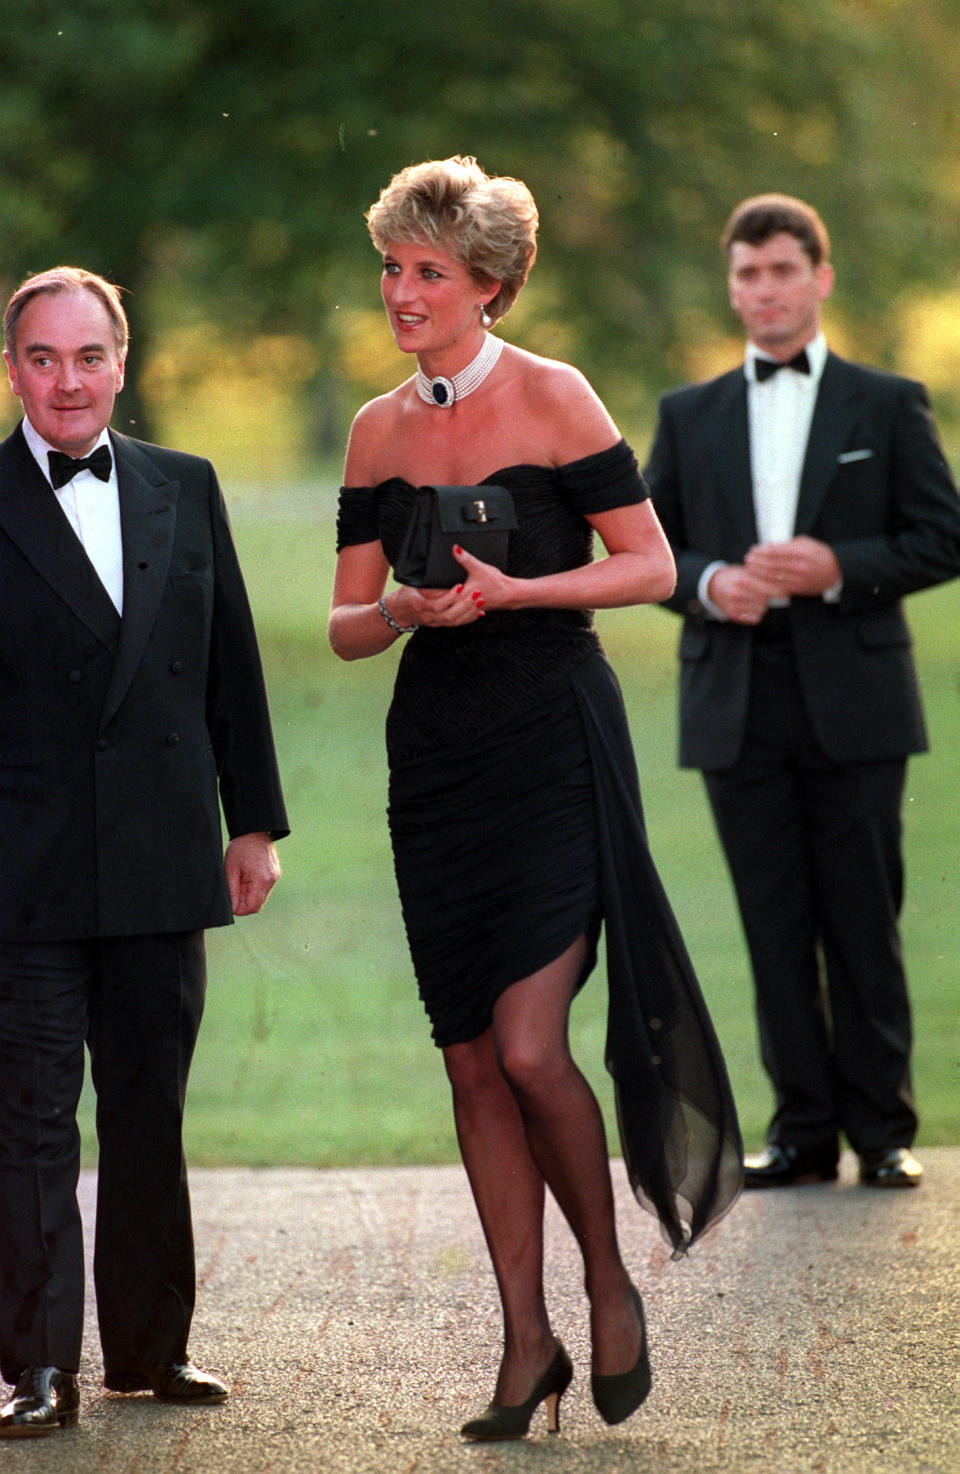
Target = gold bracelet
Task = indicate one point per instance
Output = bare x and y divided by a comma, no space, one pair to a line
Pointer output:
401,629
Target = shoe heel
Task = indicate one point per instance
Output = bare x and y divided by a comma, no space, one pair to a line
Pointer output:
513,1421
69,1419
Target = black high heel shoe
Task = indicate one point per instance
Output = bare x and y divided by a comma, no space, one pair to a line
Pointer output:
513,1421
620,1394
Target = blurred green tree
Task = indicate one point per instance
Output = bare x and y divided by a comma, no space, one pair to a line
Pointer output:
216,156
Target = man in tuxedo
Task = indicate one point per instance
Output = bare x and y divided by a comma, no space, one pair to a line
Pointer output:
804,496
131,695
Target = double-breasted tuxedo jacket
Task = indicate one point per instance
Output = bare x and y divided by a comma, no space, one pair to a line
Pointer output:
876,487
116,734
119,740
802,728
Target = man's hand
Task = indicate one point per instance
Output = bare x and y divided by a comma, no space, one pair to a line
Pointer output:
800,566
252,870
740,593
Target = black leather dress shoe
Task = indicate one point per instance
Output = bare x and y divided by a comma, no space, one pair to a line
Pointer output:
43,1400
177,1381
895,1167
789,1166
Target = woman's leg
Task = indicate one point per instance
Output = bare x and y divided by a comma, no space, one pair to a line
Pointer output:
508,1190
525,1115
565,1133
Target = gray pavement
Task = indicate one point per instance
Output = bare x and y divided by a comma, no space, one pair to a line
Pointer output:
354,1315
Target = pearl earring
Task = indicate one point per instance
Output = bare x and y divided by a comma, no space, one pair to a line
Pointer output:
485,318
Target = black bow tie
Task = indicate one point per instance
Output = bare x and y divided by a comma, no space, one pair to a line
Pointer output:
765,368
63,468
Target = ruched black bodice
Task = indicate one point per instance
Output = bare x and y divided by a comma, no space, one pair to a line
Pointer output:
454,685
517,827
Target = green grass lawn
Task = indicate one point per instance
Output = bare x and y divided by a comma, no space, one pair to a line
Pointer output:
315,1049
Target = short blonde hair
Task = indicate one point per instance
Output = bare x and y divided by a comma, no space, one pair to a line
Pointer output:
67,279
487,222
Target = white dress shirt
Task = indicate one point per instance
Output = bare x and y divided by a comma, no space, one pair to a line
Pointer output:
92,508
779,413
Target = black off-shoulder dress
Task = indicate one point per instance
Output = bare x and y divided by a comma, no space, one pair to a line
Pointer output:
517,826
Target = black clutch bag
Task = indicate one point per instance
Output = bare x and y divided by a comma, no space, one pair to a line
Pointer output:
479,518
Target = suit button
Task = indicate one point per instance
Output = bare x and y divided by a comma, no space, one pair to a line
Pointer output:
75,676
102,744
176,666
172,739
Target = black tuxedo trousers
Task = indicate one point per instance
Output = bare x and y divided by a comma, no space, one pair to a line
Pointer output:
814,852
137,1003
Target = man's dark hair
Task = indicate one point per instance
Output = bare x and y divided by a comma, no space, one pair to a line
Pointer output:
757,219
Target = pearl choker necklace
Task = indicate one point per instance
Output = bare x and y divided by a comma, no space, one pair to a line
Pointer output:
442,392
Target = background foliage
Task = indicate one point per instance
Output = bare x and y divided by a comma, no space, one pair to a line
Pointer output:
216,157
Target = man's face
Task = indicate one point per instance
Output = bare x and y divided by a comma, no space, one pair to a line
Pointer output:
66,368
776,291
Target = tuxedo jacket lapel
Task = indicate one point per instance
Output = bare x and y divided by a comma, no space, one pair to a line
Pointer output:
730,455
148,515
833,417
33,518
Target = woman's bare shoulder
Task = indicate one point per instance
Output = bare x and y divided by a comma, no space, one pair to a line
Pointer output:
561,400
374,426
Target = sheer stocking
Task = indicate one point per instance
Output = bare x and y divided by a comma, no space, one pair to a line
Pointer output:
525,1115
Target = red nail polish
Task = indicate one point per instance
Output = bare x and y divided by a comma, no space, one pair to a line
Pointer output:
459,588
476,595
458,549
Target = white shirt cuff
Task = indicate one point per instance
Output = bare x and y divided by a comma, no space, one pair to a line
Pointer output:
704,583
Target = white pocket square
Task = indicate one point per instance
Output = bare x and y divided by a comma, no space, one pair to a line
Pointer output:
854,455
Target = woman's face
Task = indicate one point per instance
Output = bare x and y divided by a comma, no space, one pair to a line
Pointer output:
432,301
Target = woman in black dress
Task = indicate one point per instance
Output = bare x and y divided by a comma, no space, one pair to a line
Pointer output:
514,808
